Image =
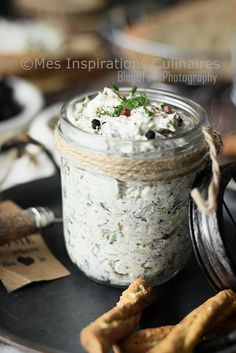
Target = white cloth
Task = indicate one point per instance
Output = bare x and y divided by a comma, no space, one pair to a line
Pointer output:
23,170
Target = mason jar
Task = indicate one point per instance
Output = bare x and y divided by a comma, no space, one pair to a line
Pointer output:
125,202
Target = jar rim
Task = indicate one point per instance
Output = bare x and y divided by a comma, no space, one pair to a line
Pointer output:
202,115
75,135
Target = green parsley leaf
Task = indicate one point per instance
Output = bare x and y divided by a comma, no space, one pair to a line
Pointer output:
133,90
131,103
117,110
115,88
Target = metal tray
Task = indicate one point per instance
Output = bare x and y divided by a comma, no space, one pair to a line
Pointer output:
48,316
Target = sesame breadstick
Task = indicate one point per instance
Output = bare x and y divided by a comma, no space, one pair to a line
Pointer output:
141,341
230,144
221,328
117,323
189,332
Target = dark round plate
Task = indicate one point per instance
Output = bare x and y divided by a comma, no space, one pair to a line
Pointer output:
48,316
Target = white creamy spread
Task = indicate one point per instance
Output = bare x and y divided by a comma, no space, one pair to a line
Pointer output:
117,231
144,118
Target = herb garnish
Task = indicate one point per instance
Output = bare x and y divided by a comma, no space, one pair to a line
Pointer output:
148,112
131,103
104,207
133,90
115,88
112,238
101,112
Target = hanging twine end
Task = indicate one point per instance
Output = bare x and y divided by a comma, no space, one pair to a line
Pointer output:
203,206
215,144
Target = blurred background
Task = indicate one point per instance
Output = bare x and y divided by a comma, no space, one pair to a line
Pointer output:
51,50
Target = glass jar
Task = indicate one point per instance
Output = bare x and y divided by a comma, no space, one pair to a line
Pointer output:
120,227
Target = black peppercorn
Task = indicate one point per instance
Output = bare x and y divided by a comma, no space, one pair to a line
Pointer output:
96,124
150,135
180,122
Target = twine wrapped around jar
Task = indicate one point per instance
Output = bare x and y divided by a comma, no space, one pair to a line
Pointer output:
151,171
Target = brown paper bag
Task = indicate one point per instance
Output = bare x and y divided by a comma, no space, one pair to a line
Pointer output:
27,260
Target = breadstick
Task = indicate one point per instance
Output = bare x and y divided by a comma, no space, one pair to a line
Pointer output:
221,328
188,333
117,323
141,341
230,144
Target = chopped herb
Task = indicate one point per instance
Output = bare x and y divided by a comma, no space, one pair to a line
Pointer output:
131,103
137,198
148,112
133,90
112,238
117,110
104,207
101,112
139,101
115,88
